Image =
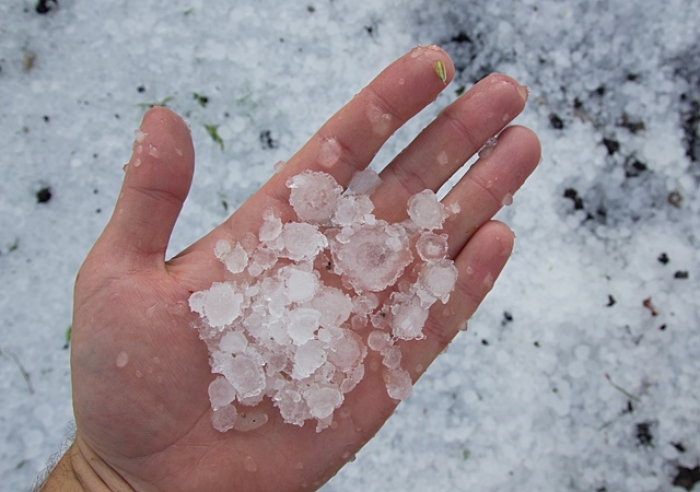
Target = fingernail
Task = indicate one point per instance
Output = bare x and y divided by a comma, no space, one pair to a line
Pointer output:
524,91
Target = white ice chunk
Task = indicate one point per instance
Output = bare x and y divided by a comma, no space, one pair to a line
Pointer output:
314,196
334,306
270,228
408,316
220,305
221,393
234,257
302,324
392,357
439,278
432,246
245,375
364,304
224,419
233,342
367,262
398,384
353,209
346,350
322,401
302,241
300,285
364,182
378,340
426,211
308,358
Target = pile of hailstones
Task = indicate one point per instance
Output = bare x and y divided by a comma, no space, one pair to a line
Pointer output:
310,297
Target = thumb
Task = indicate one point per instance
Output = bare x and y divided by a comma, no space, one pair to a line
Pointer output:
158,178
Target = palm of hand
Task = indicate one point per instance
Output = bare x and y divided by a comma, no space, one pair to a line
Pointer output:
140,374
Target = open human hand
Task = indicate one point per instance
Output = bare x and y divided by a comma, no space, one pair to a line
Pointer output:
139,371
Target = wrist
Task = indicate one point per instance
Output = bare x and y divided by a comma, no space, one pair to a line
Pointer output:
80,469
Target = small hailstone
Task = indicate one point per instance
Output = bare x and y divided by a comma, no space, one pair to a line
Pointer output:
346,350
314,196
302,241
398,384
270,229
235,258
333,304
245,375
432,246
308,358
322,401
378,340
233,342
507,200
364,182
353,209
364,304
439,278
300,286
224,419
426,211
392,357
221,393
302,324
220,305
408,316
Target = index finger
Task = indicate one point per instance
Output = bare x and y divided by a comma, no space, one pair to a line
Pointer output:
351,138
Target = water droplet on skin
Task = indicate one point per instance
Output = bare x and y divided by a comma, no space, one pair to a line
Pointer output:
138,374
488,281
507,200
139,149
489,184
329,152
506,117
137,162
464,326
299,465
178,152
415,52
469,271
152,150
249,464
419,368
402,81
442,158
122,359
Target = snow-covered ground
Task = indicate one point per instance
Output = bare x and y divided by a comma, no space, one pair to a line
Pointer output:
581,370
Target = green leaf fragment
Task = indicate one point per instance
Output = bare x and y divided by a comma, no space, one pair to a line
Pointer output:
69,330
213,132
440,71
201,99
460,90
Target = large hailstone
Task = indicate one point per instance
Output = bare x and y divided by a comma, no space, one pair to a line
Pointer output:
373,257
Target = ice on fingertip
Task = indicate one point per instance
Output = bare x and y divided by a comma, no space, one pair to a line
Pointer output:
314,296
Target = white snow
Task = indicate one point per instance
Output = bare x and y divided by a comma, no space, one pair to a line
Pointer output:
497,416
